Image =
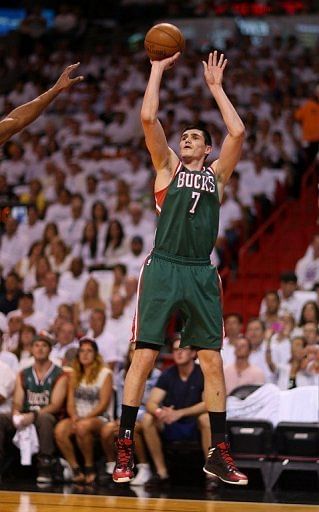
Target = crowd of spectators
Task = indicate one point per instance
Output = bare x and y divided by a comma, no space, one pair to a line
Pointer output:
70,265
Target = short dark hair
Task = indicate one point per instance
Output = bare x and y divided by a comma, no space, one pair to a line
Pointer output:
287,277
203,129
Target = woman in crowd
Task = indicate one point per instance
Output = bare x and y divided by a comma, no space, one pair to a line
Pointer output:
116,246
42,268
26,267
309,313
23,350
110,430
91,300
50,232
60,257
289,375
89,407
100,218
89,248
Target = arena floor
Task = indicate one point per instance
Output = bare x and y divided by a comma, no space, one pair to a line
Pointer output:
300,495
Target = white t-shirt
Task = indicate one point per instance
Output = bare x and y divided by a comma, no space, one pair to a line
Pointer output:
7,382
87,396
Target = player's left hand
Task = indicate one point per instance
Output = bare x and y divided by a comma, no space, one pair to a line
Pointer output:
214,68
64,82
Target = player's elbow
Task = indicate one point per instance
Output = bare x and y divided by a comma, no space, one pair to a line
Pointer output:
239,132
147,118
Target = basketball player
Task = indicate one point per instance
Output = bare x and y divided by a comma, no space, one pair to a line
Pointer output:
21,116
178,273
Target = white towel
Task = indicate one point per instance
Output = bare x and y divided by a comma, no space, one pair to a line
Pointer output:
26,439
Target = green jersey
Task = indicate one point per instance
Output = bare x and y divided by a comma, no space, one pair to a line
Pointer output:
38,393
189,214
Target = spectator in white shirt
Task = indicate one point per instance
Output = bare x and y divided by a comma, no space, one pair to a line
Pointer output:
255,334
29,315
138,224
65,340
60,257
233,324
242,372
135,258
116,245
7,382
8,357
48,298
73,281
130,295
14,167
89,248
89,301
60,209
309,313
100,217
307,267
32,230
71,229
11,335
310,332
13,246
107,342
119,324
24,349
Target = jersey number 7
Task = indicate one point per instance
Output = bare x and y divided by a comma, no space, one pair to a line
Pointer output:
196,196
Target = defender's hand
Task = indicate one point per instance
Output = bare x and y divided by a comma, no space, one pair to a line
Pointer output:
64,82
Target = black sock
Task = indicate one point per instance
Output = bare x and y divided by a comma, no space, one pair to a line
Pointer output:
217,427
128,419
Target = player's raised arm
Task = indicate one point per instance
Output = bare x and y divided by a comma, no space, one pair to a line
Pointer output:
232,145
154,134
25,114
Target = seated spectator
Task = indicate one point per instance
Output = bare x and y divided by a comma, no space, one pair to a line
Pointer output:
110,430
233,325
309,313
7,357
279,340
39,395
255,334
61,208
71,228
24,348
65,339
50,233
26,267
242,372
11,335
34,196
106,342
29,315
100,218
7,382
270,316
116,245
60,257
9,298
13,246
289,302
90,301
89,248
32,230
287,375
48,298
131,284
135,257
175,409
310,332
307,268
119,324
41,271
89,407
73,281
308,374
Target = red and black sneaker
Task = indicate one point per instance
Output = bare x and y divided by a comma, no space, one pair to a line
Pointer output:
220,463
123,471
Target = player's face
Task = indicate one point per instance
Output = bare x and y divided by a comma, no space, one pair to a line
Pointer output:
192,145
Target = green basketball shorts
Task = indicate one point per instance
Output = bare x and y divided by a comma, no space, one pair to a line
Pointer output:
168,283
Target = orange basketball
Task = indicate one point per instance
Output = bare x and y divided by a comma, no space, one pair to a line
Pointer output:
163,40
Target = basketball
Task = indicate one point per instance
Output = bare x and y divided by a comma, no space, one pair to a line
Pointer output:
163,40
